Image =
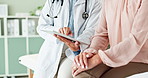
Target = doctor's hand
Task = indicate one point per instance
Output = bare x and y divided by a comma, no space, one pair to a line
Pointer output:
91,63
74,46
66,31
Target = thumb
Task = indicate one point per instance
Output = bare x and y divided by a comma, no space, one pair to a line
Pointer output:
77,43
70,33
77,72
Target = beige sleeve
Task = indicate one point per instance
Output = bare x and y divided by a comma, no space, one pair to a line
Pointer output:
126,50
100,39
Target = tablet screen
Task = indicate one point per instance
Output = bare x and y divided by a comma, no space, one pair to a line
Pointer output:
65,36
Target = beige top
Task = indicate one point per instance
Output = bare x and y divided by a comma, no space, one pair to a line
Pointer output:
123,25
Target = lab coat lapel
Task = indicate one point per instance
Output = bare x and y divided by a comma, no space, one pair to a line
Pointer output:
80,4
57,8
63,15
66,11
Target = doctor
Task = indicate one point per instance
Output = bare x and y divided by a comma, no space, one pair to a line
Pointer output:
70,17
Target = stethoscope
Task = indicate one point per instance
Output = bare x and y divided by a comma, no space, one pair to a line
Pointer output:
85,15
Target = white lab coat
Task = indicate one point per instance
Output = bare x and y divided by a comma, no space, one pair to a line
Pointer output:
51,50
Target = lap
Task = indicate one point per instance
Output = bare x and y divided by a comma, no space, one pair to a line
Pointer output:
103,71
65,69
96,72
125,71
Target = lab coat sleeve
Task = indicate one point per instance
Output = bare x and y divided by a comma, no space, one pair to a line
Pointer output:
90,23
45,22
125,51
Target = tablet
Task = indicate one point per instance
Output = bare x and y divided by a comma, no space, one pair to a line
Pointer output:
65,36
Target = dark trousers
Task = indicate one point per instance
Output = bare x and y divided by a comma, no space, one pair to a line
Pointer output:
103,71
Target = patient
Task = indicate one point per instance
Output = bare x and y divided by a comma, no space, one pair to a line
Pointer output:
123,25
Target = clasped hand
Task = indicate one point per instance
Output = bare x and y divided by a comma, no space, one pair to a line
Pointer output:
85,60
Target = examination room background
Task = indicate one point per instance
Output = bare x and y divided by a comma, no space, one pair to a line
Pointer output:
13,46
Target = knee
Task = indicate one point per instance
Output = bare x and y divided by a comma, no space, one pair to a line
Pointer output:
64,73
65,69
84,75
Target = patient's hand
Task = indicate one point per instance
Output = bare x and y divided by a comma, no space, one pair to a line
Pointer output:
91,63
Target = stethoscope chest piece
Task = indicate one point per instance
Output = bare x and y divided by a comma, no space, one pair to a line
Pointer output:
85,15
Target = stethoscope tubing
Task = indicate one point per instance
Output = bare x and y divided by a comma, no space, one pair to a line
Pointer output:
85,15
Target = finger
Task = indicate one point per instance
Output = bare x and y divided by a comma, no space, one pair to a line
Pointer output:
74,69
65,40
77,43
60,38
77,72
68,31
68,42
85,60
55,35
74,62
89,55
77,60
65,30
81,60
61,31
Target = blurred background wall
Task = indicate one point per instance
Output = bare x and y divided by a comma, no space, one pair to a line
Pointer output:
27,41
22,6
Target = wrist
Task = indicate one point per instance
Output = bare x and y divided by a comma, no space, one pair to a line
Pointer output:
75,48
77,52
100,60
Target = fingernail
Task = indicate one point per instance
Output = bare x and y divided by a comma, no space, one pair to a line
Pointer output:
82,66
78,64
87,55
73,75
86,67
